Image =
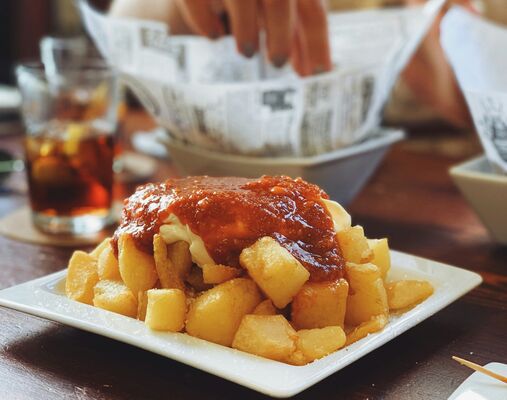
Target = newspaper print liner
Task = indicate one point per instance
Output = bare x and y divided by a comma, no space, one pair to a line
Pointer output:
205,93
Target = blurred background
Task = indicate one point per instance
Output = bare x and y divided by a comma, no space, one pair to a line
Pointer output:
23,23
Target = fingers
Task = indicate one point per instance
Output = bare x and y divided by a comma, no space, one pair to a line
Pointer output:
308,42
202,17
244,23
279,19
312,21
298,54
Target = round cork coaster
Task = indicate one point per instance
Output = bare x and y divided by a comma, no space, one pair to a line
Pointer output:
18,226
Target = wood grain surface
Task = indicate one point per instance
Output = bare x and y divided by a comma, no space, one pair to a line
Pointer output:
410,199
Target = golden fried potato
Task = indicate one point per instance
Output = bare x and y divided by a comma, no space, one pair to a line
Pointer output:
269,336
296,358
107,265
367,293
217,273
179,254
216,314
374,324
405,294
168,275
137,268
320,304
274,269
116,297
318,343
381,257
81,277
166,310
95,253
265,307
354,245
142,305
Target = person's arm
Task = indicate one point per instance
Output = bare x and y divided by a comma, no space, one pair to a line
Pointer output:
431,78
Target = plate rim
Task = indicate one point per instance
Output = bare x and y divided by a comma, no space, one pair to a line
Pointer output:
297,378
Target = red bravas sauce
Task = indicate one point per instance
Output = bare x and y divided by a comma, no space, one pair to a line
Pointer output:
230,214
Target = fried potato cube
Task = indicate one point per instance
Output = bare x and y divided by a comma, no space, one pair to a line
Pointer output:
216,314
166,310
107,265
265,307
318,343
404,294
354,245
137,268
179,254
142,305
374,324
95,253
81,277
168,275
367,295
320,304
297,358
116,297
279,275
217,273
269,336
381,256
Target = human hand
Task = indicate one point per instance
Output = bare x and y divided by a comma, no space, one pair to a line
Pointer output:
296,30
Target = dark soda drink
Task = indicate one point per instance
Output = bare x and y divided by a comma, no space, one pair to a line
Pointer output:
70,170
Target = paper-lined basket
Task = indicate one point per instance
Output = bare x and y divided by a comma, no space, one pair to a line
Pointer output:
204,93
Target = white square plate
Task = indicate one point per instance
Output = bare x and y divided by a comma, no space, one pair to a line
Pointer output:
45,298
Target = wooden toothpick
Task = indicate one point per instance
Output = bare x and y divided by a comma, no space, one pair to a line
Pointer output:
477,367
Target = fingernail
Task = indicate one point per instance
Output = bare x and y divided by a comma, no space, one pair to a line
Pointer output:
319,70
214,35
248,49
279,61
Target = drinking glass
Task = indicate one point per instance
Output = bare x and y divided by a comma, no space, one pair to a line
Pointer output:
57,53
70,117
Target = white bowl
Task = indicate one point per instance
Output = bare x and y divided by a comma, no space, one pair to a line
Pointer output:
341,173
486,191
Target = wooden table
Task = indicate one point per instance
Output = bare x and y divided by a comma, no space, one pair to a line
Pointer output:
410,199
